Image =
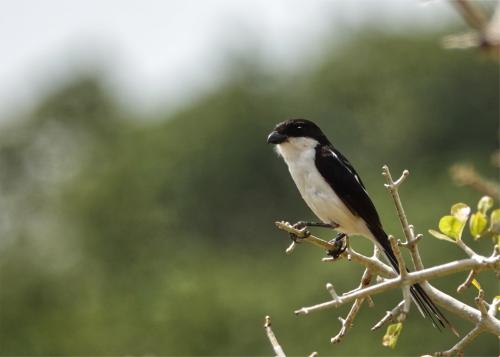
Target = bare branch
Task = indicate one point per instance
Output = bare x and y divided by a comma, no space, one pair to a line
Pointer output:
412,278
272,338
392,186
348,321
304,235
481,304
466,175
411,239
486,314
373,263
459,347
466,248
485,32
471,14
483,317
390,316
399,257
403,274
468,281
332,291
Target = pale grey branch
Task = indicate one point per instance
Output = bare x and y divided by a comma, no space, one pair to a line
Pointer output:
487,313
468,281
412,278
348,321
483,317
389,316
272,338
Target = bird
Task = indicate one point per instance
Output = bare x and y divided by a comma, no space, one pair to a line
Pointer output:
333,190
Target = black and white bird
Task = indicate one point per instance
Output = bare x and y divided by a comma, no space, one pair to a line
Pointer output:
335,193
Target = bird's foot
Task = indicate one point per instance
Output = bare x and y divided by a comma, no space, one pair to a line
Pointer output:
301,225
340,245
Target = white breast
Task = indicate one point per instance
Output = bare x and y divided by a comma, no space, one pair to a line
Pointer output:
299,154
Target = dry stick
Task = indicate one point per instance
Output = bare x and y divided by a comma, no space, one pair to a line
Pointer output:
476,262
373,263
447,302
412,278
466,175
468,281
473,15
348,321
411,240
272,338
478,329
403,274
486,32
389,316
466,248
459,347
305,235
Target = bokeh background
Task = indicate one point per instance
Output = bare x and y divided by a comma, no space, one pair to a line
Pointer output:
138,195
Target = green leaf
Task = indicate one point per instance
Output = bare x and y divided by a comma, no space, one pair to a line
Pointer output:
495,221
484,204
477,224
460,211
391,336
476,284
451,226
441,236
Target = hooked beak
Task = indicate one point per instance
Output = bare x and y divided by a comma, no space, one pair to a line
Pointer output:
276,138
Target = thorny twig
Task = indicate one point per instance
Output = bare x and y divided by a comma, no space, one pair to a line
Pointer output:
485,32
466,175
412,278
487,312
468,281
403,276
483,316
272,338
278,350
348,321
408,229
390,315
373,263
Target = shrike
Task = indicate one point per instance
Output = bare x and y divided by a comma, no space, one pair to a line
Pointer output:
335,193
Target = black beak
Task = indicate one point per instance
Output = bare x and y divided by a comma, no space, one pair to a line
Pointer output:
276,138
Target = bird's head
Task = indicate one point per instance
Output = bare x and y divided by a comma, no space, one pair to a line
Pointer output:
297,134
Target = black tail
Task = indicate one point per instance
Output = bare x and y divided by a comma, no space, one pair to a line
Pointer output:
420,297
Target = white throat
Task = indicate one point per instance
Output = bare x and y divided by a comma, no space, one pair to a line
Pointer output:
295,150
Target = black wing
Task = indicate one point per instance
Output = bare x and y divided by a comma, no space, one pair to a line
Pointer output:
345,181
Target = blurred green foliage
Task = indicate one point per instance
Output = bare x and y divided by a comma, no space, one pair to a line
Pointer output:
121,235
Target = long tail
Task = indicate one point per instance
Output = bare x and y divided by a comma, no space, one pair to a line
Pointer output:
420,297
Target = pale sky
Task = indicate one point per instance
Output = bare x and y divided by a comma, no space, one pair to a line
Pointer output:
162,53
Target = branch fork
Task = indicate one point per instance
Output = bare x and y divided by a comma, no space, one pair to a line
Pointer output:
483,316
